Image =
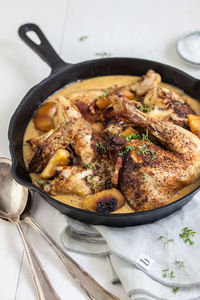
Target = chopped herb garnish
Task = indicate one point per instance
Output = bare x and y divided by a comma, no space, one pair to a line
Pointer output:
167,273
175,290
172,275
143,108
126,150
92,180
186,235
143,150
145,137
82,38
181,101
100,146
180,263
66,123
161,237
181,93
89,166
103,54
40,182
107,91
132,136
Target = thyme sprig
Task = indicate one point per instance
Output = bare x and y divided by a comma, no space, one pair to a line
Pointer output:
175,290
101,147
179,262
132,136
41,183
82,38
126,150
165,241
89,166
168,273
187,234
143,108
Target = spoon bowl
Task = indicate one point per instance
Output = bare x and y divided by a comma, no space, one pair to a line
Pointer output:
13,197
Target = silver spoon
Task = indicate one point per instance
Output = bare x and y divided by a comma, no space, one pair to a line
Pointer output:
13,198
86,282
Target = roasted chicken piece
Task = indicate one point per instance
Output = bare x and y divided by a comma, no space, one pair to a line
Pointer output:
76,134
167,105
146,82
151,175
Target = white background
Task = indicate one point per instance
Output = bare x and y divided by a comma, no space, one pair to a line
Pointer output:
133,28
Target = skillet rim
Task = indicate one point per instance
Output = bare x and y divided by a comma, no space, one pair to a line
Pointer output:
56,73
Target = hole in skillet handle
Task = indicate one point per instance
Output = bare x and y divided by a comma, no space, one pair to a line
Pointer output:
41,46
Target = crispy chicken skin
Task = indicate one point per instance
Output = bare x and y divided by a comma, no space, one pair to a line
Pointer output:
151,175
146,82
88,147
168,106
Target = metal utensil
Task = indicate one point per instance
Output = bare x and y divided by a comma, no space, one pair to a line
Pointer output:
22,205
13,198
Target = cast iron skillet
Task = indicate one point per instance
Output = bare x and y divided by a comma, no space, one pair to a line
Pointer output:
63,73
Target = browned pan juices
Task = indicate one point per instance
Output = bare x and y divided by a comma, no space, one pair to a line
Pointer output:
102,82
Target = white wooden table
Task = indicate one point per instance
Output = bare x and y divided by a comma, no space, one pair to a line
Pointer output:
133,28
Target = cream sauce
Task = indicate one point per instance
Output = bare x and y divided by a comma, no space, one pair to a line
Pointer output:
102,82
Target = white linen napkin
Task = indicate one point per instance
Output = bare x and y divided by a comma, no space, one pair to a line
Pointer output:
151,261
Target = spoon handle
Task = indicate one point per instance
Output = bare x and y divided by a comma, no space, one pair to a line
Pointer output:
87,283
44,288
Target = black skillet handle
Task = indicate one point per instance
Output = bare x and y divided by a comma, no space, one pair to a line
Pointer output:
44,49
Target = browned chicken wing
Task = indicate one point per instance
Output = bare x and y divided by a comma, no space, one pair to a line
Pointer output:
146,82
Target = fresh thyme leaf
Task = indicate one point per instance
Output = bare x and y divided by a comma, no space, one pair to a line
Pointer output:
83,37
186,235
175,290
103,54
126,150
161,237
40,182
165,270
89,166
66,123
180,263
143,108
181,101
100,146
172,274
132,136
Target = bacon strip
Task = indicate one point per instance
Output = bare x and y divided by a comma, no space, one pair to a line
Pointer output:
118,166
